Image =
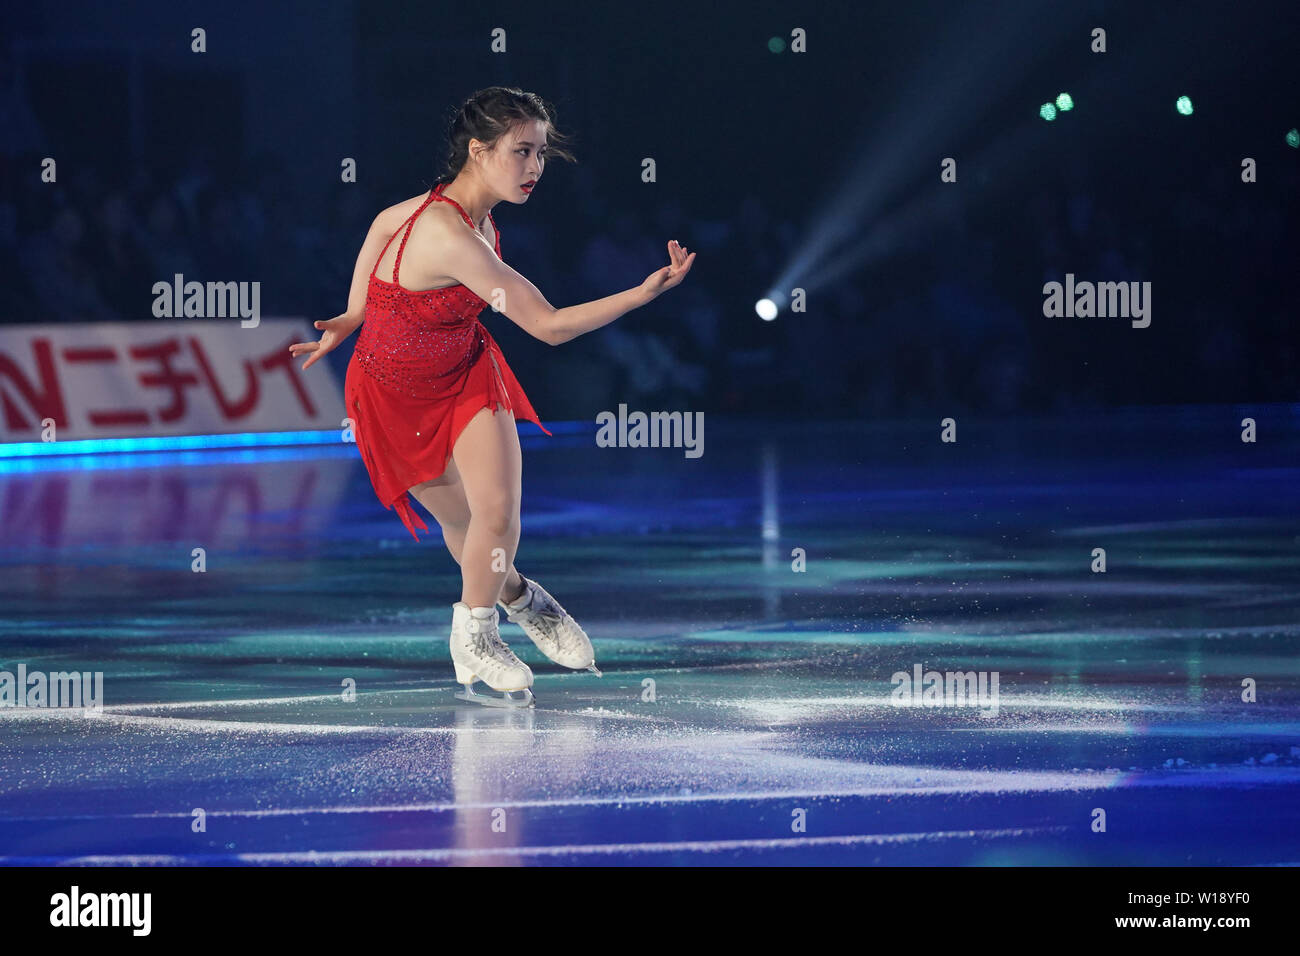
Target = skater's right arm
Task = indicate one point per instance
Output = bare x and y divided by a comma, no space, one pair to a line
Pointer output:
336,330
381,231
466,257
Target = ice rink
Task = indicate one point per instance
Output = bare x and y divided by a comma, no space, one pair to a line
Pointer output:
292,703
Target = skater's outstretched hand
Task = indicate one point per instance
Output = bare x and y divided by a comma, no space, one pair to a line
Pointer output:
333,332
670,275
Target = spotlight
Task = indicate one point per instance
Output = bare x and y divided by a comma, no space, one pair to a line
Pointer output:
1184,105
1064,102
1047,111
766,309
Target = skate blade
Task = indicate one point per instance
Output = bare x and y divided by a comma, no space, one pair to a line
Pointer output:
467,694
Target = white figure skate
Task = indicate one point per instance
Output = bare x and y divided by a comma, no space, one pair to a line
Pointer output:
478,653
551,628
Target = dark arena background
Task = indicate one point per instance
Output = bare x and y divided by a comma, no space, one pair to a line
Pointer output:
980,549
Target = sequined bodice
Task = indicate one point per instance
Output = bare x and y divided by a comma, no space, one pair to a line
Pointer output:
420,343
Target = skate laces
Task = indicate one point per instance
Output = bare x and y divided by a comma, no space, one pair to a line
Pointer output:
487,641
550,616
546,621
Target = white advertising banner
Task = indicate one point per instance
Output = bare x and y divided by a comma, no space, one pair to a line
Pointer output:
185,377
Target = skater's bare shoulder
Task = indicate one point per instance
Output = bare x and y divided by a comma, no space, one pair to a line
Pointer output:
392,218
440,241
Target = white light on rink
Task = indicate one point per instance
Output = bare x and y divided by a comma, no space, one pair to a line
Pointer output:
766,309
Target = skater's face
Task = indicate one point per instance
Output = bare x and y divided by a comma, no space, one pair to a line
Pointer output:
514,167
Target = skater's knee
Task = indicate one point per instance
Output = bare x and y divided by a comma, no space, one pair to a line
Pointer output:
498,515
498,524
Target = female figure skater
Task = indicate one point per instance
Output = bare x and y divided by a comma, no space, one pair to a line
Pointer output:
426,380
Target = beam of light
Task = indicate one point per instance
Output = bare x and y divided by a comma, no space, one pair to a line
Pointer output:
919,217
766,309
770,469
932,110
917,212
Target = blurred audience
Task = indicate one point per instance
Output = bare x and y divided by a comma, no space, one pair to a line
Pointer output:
949,319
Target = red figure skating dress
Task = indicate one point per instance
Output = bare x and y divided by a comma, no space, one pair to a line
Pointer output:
423,366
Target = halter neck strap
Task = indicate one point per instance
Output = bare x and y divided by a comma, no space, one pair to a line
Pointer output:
435,193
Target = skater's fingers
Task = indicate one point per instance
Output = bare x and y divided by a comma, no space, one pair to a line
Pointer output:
303,347
677,274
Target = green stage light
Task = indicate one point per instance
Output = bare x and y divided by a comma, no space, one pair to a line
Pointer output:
1047,111
1064,102
1184,105
1293,138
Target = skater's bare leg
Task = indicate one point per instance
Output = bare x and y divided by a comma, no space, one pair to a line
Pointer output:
490,464
444,498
